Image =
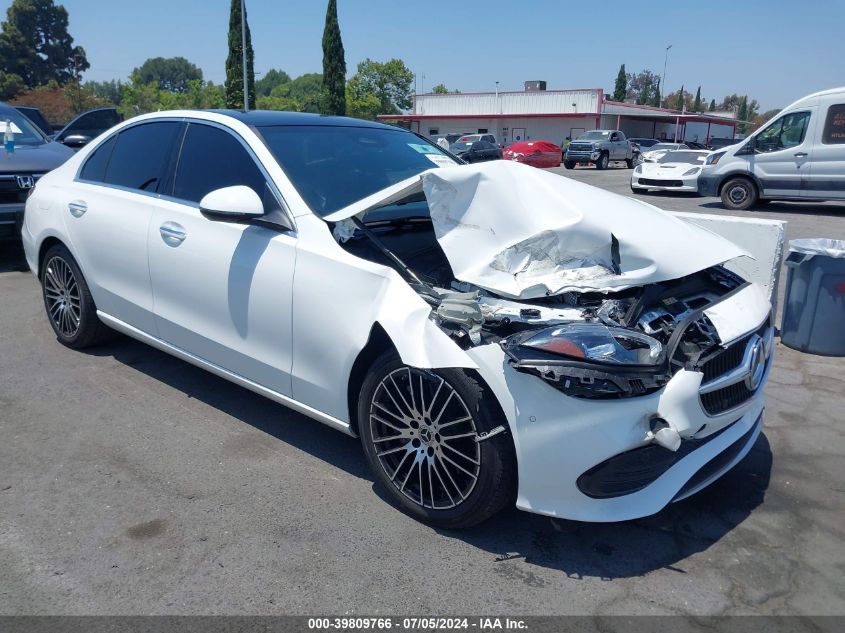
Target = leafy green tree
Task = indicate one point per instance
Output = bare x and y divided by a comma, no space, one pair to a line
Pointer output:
712,107
761,119
360,103
35,44
440,89
234,62
10,85
620,91
696,105
109,91
270,80
334,65
138,98
169,73
390,82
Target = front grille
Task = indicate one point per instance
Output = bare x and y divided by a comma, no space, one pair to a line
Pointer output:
661,183
12,197
733,395
725,399
576,147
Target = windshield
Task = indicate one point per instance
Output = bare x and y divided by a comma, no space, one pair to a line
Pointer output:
24,130
594,135
333,166
663,146
693,158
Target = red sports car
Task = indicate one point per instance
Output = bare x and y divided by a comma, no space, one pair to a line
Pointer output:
534,153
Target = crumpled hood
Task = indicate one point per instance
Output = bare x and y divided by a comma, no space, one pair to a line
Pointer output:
525,233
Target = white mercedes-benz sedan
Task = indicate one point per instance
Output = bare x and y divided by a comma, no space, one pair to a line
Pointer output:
676,170
494,333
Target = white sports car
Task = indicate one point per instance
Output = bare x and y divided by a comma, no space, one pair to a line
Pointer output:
674,171
656,151
493,333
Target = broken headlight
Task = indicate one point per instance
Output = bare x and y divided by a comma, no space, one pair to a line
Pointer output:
591,360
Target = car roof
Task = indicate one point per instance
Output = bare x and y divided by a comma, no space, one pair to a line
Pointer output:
261,118
5,108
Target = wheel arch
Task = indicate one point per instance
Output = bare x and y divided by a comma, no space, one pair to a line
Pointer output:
378,342
46,244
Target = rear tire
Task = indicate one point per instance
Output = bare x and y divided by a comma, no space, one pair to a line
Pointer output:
603,161
739,194
569,164
67,300
406,417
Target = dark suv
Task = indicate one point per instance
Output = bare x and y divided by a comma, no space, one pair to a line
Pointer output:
33,156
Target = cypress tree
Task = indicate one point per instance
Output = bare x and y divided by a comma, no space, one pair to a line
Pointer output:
234,62
620,91
655,95
712,105
742,115
334,66
696,106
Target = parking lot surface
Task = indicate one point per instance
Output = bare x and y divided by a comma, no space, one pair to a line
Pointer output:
134,483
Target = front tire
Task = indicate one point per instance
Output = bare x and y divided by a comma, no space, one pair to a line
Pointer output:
630,162
68,302
739,194
603,161
419,428
569,164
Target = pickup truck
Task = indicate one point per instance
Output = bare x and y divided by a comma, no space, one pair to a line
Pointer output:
599,147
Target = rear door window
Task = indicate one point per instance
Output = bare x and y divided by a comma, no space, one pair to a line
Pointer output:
834,125
94,168
140,155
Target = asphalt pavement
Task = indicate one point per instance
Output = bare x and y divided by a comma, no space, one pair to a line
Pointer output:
134,483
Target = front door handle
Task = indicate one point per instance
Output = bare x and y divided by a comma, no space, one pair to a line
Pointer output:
77,208
801,155
172,233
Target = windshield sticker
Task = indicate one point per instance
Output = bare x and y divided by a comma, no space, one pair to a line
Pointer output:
440,160
422,148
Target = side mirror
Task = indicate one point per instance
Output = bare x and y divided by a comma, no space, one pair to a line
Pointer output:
76,140
232,204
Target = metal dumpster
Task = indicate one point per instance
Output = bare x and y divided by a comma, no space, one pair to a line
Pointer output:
814,303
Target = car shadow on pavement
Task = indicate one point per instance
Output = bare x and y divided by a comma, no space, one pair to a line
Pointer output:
238,402
797,208
630,548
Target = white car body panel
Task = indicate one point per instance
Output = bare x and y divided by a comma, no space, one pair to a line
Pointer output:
286,314
661,174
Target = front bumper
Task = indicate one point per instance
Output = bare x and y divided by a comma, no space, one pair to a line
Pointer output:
559,438
641,182
582,157
11,219
708,185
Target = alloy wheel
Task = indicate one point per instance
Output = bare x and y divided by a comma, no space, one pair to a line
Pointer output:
62,296
425,438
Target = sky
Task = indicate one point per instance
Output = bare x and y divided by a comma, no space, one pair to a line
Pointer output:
775,51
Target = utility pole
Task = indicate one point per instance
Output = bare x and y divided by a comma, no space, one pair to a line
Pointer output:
243,52
663,82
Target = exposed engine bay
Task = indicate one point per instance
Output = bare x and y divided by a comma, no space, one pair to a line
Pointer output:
588,344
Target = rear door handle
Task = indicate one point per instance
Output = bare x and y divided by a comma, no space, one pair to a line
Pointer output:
800,155
172,233
77,208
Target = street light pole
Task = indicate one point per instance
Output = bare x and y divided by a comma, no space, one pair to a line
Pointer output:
663,82
243,52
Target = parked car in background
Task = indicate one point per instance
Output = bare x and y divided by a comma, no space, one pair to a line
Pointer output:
798,155
674,171
656,151
476,151
87,126
534,153
599,147
36,116
642,144
34,155
492,344
719,143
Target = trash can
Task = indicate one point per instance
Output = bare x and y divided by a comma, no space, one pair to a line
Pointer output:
814,303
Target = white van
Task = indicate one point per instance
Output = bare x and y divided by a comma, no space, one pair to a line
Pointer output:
798,155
